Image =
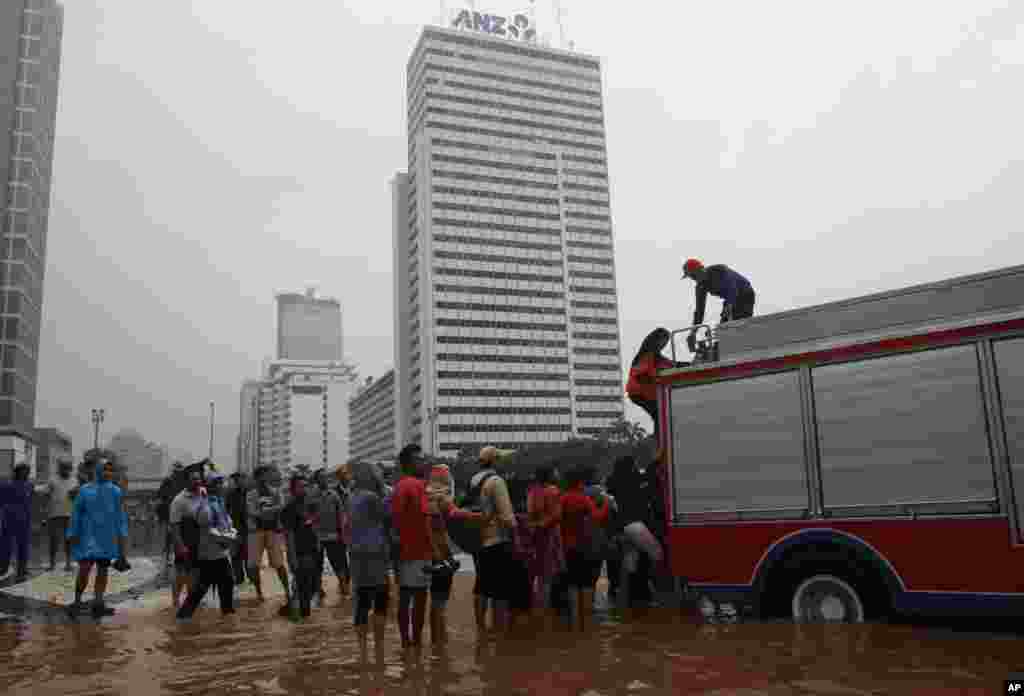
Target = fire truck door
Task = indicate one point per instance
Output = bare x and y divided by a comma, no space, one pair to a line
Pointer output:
1010,370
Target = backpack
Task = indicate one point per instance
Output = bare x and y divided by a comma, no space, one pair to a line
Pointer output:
592,540
466,535
474,496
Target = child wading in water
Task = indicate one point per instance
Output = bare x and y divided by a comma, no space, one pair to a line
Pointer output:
441,508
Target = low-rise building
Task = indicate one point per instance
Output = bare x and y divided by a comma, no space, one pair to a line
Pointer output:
374,434
54,446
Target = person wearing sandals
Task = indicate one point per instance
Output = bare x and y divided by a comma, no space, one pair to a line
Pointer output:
97,534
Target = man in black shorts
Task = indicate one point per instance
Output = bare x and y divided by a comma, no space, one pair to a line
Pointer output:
503,578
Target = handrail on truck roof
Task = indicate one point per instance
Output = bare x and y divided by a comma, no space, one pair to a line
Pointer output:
707,345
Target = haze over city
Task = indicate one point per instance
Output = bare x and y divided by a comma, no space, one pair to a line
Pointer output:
211,154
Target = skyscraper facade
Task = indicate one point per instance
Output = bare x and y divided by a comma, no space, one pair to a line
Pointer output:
506,305
373,435
308,327
30,44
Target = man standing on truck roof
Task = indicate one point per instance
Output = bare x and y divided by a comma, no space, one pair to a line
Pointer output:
735,291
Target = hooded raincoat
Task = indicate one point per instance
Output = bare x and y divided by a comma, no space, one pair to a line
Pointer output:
98,519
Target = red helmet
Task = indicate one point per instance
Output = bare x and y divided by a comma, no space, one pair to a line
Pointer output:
691,267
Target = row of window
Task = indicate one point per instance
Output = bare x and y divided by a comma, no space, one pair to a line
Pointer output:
476,130
515,358
494,164
518,50
494,341
486,179
484,147
497,227
496,275
512,106
502,212
576,186
607,321
494,195
503,428
594,260
506,325
528,96
514,241
516,122
499,292
506,243
588,290
595,335
498,258
502,376
514,309
502,75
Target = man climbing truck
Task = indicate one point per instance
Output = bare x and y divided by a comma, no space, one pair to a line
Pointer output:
735,291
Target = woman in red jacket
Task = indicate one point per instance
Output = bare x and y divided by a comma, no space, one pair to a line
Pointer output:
641,388
581,573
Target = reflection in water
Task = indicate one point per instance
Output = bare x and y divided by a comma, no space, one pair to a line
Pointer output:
143,652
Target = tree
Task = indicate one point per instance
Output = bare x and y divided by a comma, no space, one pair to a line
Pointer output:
623,431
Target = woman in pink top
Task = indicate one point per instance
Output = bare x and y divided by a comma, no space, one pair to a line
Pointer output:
544,515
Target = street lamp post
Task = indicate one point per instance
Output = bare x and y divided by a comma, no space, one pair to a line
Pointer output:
211,431
97,418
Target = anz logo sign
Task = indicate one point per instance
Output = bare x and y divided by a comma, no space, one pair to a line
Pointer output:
517,27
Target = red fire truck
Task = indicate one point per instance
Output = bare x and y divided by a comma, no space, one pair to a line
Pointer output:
855,460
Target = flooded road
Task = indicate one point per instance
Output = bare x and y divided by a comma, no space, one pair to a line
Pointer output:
144,651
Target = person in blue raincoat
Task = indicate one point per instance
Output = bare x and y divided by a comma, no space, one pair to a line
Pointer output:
97,533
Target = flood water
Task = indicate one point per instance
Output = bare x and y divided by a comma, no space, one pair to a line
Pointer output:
144,651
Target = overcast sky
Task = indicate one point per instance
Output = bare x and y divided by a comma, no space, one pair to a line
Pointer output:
211,153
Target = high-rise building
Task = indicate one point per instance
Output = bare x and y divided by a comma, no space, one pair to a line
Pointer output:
30,44
248,430
308,327
301,415
506,307
373,430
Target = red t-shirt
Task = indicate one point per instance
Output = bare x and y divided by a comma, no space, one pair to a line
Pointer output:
411,513
574,502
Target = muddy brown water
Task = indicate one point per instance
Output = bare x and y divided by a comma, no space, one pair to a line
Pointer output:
145,651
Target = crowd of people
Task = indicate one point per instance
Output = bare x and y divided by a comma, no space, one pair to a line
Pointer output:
543,561
543,557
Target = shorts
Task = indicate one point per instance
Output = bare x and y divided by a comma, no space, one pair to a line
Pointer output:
266,540
100,563
580,571
503,577
183,564
412,575
441,589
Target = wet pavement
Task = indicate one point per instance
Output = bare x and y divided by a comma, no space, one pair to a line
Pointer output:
144,650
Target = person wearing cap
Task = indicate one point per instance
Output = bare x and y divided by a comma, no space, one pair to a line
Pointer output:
499,572
16,531
735,291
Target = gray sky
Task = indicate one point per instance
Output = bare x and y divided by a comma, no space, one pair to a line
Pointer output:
211,153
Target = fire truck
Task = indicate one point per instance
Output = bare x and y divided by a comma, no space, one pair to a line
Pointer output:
855,460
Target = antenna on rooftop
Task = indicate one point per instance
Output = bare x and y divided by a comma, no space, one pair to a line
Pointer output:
560,18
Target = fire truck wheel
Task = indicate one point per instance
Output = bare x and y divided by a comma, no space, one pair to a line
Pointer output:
827,598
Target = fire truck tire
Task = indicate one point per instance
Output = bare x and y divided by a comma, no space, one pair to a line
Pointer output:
827,598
